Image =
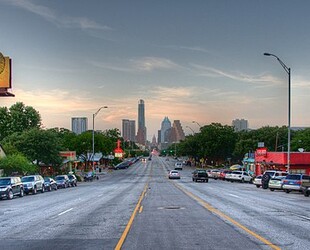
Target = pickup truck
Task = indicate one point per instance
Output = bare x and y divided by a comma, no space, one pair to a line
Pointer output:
200,175
305,185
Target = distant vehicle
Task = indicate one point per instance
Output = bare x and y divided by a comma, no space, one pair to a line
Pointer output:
271,174
174,174
33,184
257,181
72,180
62,181
10,187
214,173
222,174
276,183
294,182
143,160
122,165
241,176
178,166
200,175
50,184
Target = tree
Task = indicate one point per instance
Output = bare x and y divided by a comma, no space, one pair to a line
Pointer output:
17,163
18,118
38,145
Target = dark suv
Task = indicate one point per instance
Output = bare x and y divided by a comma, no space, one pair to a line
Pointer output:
10,186
200,175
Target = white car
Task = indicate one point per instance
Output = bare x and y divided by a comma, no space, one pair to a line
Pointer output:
178,166
174,174
241,176
257,181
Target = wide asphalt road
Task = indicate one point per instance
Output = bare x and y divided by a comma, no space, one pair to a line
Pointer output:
140,208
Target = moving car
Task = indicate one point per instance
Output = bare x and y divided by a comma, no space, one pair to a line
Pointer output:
241,176
122,165
276,183
178,166
174,174
50,184
257,181
33,184
305,186
294,182
62,181
222,174
10,187
200,175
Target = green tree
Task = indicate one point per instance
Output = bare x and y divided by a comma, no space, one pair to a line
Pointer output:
17,163
18,118
301,139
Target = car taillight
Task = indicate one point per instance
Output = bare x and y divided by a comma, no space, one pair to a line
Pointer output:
285,181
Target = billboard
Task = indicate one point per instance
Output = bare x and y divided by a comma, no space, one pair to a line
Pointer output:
5,75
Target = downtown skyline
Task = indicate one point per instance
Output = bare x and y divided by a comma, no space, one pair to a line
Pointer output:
188,60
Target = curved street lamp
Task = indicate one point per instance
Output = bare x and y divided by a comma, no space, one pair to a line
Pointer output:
94,115
288,71
191,129
197,123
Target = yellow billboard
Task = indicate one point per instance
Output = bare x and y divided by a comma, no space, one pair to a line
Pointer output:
5,72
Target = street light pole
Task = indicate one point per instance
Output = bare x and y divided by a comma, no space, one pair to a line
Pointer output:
93,141
191,129
288,71
197,123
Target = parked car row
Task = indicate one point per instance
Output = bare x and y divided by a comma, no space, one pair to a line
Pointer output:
16,186
127,163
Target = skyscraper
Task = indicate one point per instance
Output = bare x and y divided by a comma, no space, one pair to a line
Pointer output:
141,135
165,125
129,130
240,124
177,131
79,124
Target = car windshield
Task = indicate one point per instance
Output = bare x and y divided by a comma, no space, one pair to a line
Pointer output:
60,178
27,179
293,177
46,179
70,177
5,181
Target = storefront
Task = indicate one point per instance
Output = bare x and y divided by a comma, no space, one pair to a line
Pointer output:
264,160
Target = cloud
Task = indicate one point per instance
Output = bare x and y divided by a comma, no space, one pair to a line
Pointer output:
51,16
195,49
138,65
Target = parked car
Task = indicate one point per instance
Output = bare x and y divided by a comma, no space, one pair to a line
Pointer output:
174,174
10,187
72,180
271,174
178,166
276,183
294,182
257,181
241,176
200,175
305,186
62,181
50,184
33,184
213,173
222,174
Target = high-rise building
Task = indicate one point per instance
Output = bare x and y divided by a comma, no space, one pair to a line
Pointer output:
240,124
165,125
79,124
141,135
129,130
177,131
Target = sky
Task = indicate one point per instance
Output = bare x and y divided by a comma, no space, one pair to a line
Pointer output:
199,60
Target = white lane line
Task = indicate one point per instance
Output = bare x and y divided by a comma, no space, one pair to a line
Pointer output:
68,210
236,196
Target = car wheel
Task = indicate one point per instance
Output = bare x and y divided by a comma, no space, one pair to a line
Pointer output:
207,180
271,189
287,191
306,193
242,180
10,195
21,192
34,191
265,181
257,186
75,184
43,189
49,188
